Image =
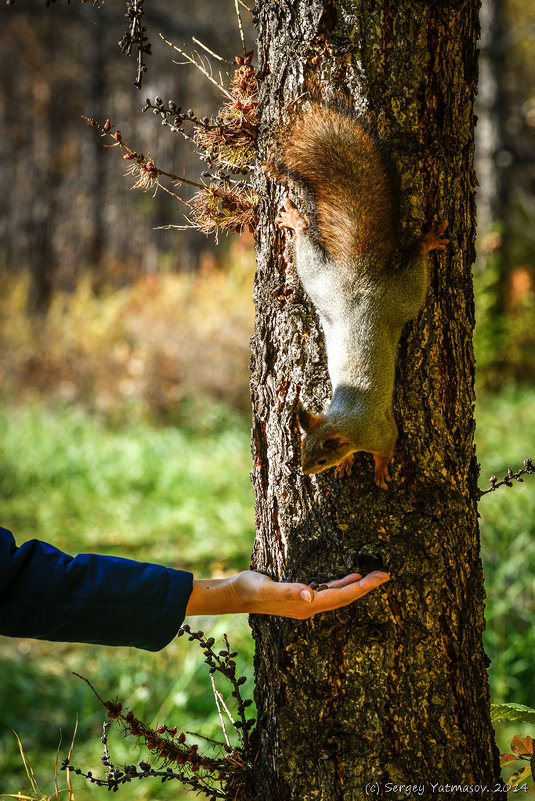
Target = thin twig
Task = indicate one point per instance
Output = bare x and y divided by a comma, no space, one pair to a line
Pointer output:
202,69
69,755
202,737
106,761
507,480
240,26
219,699
91,686
140,159
56,786
174,194
211,52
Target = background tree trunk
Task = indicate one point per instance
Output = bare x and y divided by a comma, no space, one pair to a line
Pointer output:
493,156
394,688
494,162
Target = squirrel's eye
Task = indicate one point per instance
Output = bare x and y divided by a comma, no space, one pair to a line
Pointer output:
322,461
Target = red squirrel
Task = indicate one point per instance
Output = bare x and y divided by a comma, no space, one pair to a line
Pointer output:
364,288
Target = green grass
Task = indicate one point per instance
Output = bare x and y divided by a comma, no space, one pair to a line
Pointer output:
505,437
181,496
168,494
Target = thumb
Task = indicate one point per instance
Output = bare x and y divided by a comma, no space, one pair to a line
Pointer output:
305,593
298,592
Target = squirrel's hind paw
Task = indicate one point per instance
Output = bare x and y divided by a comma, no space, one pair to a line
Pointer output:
381,481
289,217
434,239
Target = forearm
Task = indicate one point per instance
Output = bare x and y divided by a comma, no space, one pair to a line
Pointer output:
247,592
214,597
46,594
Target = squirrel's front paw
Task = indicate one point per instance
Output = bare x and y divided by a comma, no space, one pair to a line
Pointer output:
381,469
381,478
290,217
434,239
344,468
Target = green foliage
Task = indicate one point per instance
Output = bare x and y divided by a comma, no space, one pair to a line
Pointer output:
73,479
505,432
519,712
176,496
181,496
490,336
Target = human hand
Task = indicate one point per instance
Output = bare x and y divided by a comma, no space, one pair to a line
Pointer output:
256,593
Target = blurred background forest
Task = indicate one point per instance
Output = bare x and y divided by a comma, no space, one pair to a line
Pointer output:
124,350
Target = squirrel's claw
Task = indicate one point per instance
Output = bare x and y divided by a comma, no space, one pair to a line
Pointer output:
434,239
381,469
381,483
344,467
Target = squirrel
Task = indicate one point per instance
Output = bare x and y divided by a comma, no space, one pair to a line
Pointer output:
364,288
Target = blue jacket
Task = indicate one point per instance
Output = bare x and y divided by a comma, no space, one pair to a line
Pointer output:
48,595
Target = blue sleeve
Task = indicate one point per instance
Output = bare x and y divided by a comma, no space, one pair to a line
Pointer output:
48,595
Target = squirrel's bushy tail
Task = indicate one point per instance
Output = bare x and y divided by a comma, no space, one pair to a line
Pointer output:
341,163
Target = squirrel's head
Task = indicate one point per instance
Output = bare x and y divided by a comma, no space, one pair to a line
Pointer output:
323,445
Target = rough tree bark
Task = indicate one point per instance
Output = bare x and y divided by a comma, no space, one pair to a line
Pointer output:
394,688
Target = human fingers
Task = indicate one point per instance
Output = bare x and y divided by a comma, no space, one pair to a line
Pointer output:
336,597
352,578
342,582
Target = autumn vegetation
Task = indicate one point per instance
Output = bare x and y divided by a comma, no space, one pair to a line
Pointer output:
124,387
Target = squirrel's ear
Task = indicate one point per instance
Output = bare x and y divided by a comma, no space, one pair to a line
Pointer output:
308,420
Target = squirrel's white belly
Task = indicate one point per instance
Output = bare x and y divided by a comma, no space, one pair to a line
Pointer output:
361,354
361,344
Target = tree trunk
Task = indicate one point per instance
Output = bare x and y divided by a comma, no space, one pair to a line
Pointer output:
43,217
92,243
393,688
494,160
493,157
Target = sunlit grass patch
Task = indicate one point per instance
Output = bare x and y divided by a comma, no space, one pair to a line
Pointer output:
177,496
164,494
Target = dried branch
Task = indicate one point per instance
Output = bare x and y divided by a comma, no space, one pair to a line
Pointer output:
225,776
211,52
509,478
223,662
179,117
231,141
240,26
197,63
134,38
227,143
148,173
